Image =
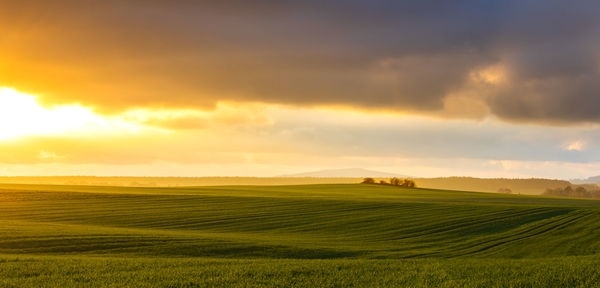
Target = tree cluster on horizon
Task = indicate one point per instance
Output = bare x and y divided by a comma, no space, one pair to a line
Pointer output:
394,181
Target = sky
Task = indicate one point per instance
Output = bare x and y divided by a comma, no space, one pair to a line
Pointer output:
265,87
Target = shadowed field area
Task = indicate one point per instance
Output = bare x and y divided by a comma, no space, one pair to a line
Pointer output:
336,235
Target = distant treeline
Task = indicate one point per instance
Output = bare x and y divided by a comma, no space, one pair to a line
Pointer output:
580,191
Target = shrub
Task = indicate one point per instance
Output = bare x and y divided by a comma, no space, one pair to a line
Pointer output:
505,191
402,182
409,183
368,180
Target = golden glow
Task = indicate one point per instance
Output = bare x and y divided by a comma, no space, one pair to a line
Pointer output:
576,146
494,75
21,115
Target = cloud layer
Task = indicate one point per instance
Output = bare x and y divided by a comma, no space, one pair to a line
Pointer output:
417,56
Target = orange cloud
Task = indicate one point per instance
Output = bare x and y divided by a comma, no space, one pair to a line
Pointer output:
578,145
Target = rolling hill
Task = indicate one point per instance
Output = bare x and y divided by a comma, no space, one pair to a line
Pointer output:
273,236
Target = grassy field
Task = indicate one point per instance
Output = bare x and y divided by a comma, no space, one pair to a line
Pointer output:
338,235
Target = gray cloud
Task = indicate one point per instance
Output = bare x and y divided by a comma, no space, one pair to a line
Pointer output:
368,54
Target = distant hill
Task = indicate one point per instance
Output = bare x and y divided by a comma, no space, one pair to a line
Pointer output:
531,186
589,180
516,186
348,172
172,181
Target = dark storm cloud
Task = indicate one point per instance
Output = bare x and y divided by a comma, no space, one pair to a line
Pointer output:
403,55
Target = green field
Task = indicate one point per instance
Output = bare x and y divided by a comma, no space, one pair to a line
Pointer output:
338,235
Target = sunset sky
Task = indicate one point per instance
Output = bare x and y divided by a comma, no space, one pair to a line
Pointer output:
263,88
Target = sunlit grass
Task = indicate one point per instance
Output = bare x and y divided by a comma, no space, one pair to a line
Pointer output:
283,236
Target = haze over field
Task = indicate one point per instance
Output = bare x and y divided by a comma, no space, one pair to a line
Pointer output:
494,185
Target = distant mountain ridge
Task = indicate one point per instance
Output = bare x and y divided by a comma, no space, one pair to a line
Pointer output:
347,172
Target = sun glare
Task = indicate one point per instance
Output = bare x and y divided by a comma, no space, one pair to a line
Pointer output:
21,115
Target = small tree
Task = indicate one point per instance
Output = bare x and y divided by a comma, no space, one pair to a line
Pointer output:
409,183
505,190
382,182
368,180
568,190
395,181
580,192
